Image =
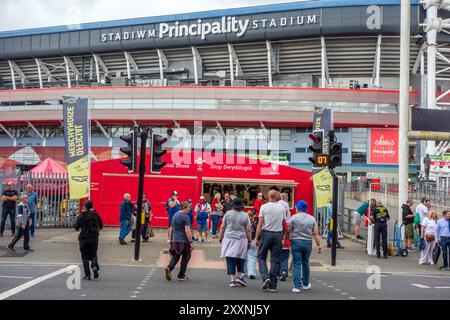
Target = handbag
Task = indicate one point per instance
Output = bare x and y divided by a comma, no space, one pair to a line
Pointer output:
436,254
417,219
422,244
429,237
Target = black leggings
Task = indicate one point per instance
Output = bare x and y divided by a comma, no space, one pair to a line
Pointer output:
88,248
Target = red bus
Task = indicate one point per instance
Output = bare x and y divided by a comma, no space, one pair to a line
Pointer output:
192,175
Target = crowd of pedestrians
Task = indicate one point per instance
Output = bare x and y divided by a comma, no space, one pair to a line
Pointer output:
247,238
423,229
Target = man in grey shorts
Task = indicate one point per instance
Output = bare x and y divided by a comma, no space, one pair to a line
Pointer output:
358,216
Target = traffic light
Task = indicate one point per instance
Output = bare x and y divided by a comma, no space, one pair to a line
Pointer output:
130,150
157,153
335,151
318,159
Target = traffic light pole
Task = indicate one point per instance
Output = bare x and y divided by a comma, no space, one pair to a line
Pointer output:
137,244
334,220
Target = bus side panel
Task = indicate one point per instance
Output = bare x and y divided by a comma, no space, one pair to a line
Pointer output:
158,191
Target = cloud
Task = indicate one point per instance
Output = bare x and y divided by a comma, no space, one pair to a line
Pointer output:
23,14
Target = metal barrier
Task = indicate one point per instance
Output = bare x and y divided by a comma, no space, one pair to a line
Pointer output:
438,194
54,208
346,222
320,214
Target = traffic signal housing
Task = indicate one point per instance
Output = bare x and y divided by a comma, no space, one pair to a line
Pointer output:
130,150
318,158
335,151
157,153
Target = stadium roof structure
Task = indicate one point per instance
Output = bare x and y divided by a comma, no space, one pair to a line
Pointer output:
273,8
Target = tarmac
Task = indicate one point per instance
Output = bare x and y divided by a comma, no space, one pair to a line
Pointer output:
60,246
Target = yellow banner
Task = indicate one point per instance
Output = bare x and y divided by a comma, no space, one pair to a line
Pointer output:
323,187
79,178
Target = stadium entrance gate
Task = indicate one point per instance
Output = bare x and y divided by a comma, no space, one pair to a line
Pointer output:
54,208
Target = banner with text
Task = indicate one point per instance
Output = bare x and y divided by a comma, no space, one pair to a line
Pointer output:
323,187
76,136
384,146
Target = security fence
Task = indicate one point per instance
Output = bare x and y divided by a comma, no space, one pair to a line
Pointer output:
321,213
54,207
439,194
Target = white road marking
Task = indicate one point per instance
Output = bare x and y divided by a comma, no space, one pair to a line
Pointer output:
34,282
353,298
420,286
337,290
16,277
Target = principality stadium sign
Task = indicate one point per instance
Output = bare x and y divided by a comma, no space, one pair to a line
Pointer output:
226,25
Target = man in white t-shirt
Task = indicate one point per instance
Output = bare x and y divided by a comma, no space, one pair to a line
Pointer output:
284,202
269,236
286,249
422,210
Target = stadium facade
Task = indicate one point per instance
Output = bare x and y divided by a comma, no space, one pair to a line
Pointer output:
247,73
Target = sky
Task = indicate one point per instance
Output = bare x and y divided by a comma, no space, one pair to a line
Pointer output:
24,14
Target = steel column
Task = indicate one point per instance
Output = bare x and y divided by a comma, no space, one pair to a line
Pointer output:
324,63
403,151
377,64
13,77
69,83
197,59
230,58
38,64
269,62
163,63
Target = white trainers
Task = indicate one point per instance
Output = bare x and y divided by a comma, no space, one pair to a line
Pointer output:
308,287
295,290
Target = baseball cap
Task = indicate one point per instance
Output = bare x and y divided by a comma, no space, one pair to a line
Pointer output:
189,201
174,193
301,206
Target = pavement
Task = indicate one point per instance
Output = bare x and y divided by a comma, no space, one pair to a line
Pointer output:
45,273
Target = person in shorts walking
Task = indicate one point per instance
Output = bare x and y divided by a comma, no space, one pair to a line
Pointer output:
358,215
408,221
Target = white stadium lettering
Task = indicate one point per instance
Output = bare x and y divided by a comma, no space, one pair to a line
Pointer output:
203,29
